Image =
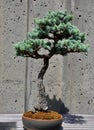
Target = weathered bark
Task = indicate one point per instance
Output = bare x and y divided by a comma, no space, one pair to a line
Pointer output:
42,102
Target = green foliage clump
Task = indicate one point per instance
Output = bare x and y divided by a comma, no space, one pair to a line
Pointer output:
54,33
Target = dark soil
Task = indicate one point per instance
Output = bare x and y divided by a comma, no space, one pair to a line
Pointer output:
42,115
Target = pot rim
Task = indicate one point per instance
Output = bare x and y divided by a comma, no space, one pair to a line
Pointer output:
42,119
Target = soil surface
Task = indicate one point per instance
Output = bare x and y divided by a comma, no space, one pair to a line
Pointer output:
42,115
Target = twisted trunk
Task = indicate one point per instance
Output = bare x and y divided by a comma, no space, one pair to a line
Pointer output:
42,102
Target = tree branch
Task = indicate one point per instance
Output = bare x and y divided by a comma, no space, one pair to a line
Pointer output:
35,54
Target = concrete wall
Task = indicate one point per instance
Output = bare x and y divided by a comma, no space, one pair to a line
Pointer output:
13,28
68,81
79,68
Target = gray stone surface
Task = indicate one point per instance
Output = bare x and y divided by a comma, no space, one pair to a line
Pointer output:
70,122
68,81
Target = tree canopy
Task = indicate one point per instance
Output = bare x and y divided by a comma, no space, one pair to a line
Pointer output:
54,33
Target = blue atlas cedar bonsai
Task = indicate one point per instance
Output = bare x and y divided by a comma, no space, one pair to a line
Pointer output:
53,35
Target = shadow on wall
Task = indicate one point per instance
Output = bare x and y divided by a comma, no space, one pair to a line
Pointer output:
56,105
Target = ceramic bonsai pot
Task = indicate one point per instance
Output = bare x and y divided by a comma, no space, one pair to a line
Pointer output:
42,124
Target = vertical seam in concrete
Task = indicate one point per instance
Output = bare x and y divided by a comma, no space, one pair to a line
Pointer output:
69,7
72,6
26,72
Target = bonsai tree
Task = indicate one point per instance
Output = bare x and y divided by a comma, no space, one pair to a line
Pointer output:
54,34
